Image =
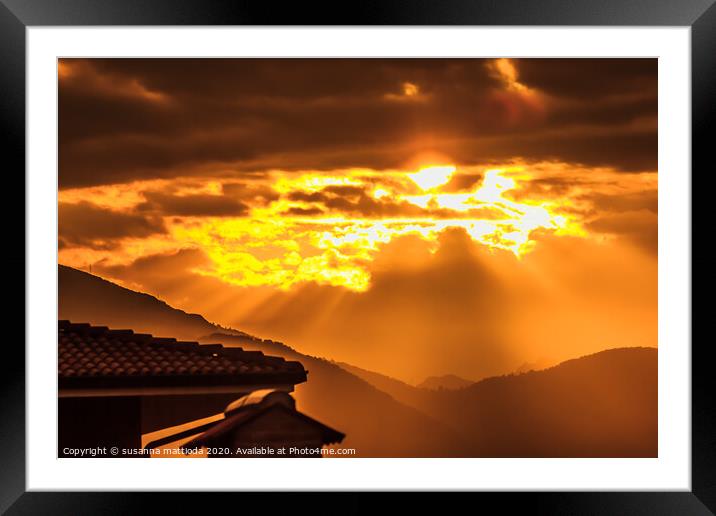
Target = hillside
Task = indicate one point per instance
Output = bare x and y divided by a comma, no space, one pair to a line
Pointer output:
399,390
376,425
601,405
84,297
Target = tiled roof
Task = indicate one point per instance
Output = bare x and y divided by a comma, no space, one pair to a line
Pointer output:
97,357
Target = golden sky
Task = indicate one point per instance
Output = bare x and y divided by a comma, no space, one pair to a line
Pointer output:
412,217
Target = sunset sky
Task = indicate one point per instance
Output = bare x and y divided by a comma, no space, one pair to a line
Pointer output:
412,217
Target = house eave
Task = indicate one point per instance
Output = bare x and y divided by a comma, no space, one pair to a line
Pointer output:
168,391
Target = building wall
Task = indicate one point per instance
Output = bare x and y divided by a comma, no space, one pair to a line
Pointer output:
98,422
170,410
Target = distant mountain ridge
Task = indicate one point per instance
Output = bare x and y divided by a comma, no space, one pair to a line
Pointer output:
446,381
600,405
375,423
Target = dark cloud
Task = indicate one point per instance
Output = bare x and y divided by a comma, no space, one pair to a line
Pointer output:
255,192
547,186
356,201
463,182
167,273
589,78
304,211
646,200
313,79
124,119
155,265
626,149
88,225
639,227
306,196
193,205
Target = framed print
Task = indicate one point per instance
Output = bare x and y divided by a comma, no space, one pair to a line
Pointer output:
417,249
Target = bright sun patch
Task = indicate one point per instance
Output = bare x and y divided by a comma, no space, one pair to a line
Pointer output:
317,232
328,227
431,177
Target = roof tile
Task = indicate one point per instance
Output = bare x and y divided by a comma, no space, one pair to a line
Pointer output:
96,356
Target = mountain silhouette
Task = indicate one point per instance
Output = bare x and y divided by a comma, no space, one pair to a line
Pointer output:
600,405
446,381
84,297
375,424
398,389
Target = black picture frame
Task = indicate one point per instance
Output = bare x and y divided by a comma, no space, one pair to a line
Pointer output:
17,15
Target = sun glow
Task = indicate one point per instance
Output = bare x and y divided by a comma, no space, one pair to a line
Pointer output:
410,89
379,193
328,227
338,245
430,178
